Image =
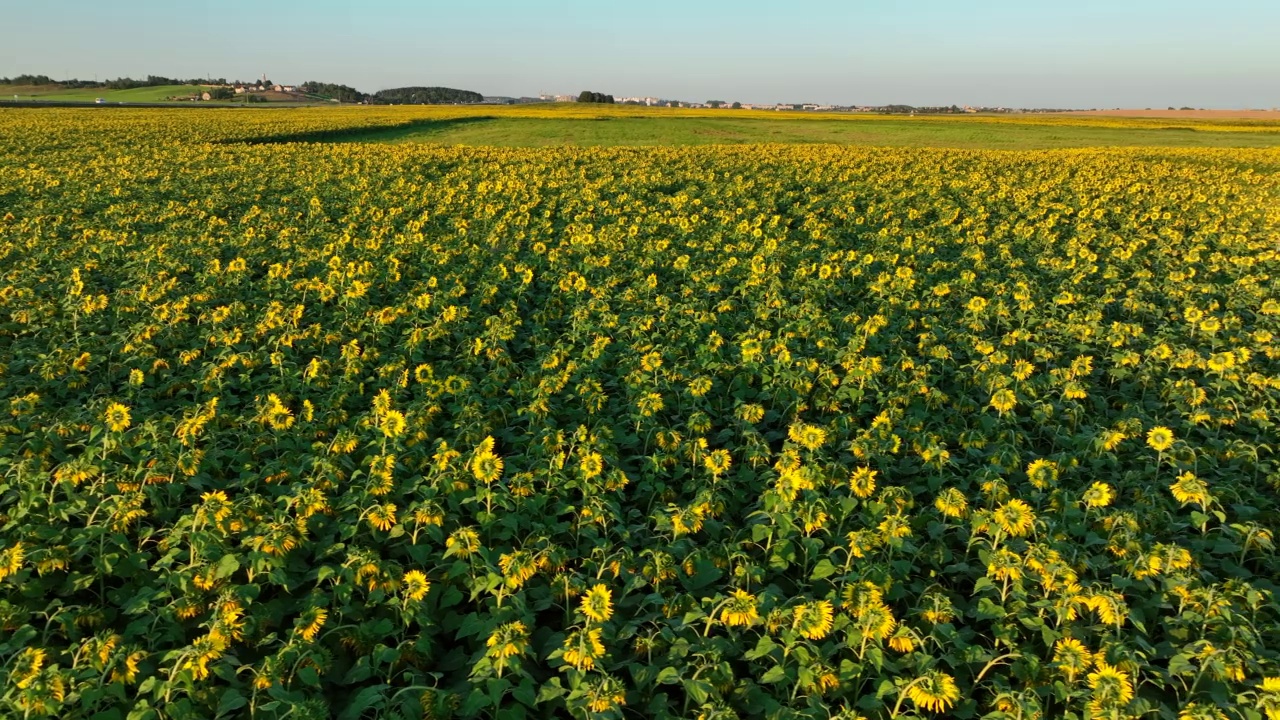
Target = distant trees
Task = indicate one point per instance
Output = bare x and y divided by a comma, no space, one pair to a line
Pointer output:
736,106
332,91
28,80
588,96
222,93
716,103
425,96
116,84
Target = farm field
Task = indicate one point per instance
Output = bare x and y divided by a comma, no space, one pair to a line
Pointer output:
506,131
158,93
302,426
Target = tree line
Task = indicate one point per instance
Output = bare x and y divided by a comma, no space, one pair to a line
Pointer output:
393,96
331,91
425,96
588,96
116,84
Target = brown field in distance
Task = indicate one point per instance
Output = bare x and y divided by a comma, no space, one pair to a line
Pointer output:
1202,114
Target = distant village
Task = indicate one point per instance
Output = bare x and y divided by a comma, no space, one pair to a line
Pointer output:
264,90
780,107
231,90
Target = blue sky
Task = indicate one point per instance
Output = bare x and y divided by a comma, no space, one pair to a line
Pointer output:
1073,53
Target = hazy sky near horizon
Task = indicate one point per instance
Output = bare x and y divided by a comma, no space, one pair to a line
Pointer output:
1026,53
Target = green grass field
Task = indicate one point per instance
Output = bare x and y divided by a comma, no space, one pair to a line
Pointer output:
895,132
159,93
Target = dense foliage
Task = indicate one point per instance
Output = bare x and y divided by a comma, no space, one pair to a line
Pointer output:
590,96
296,430
123,83
332,91
425,96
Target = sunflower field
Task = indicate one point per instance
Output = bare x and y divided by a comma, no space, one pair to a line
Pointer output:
308,430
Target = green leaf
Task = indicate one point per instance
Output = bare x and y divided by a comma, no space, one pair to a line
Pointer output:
551,690
526,692
989,610
227,566
764,646
370,697
776,674
1180,664
699,690
359,672
824,569
668,676
475,702
232,700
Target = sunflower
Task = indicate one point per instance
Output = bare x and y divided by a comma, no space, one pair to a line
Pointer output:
206,649
717,462
591,465
1042,473
129,672
1109,440
606,694
1072,657
876,620
117,417
1015,517
393,423
597,604
902,641
933,692
507,640
382,517
463,542
649,404
429,513
1023,369
582,648
312,621
416,585
1160,438
813,620
740,610
1220,362
938,609
1099,495
27,667
216,505
486,467
863,482
1189,489
1201,711
1108,606
951,503
811,437
1005,565
750,413
1111,687
894,527
517,567
1003,400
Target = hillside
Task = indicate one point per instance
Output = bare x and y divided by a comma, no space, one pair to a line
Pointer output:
157,93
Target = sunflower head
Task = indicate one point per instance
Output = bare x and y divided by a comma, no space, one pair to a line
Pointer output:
933,692
597,604
1160,438
117,417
